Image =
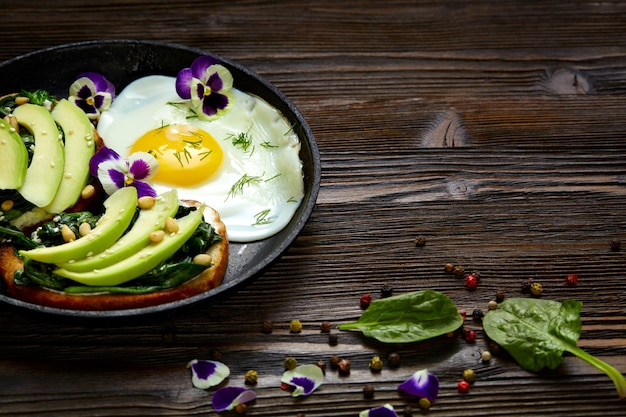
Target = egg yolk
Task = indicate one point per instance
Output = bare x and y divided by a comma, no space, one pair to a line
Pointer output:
187,155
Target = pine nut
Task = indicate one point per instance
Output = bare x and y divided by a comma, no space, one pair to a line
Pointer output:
84,229
157,236
202,259
21,100
7,205
88,191
67,233
171,225
146,202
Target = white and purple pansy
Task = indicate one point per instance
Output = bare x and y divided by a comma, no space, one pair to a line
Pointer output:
386,410
207,84
421,384
303,379
92,93
227,398
206,374
114,172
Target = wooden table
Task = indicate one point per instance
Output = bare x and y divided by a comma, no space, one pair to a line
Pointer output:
494,130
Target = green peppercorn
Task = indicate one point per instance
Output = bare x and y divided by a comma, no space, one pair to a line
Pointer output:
251,377
394,359
485,356
469,375
492,305
295,326
290,363
376,364
424,403
536,289
368,391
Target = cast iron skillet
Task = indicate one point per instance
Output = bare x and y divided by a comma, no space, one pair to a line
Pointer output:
123,61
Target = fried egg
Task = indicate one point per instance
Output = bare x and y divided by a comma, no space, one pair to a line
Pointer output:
245,164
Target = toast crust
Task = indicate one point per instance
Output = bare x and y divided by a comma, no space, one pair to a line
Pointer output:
207,280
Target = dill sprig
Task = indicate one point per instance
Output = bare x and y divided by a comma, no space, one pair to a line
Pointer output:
242,182
241,140
263,217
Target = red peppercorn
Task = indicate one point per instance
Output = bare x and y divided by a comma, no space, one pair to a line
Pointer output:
471,282
365,301
469,335
463,387
571,280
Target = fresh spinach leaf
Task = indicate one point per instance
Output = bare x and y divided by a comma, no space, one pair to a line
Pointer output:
536,332
409,317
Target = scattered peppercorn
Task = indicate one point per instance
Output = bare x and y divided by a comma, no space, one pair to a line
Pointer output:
386,291
376,364
325,327
458,271
295,326
449,268
408,411
526,285
478,315
495,348
333,339
471,282
424,403
463,387
368,391
215,355
267,327
334,360
536,289
344,366
469,375
251,377
394,359
241,408
500,295
322,365
492,305
420,241
571,280
365,301
485,356
290,363
469,335
615,244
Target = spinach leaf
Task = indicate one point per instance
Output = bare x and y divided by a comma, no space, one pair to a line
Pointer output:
409,317
536,332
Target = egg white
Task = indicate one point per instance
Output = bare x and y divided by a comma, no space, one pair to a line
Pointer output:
146,104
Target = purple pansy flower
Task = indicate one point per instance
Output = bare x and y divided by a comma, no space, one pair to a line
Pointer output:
206,374
422,384
304,379
93,93
227,398
114,172
207,84
382,411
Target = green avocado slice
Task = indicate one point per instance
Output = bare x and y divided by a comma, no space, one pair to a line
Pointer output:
148,221
45,172
119,212
78,150
13,158
141,262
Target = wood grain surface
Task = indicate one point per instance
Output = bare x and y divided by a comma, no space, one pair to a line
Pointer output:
494,130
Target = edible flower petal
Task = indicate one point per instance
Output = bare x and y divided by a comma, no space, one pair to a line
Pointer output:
422,384
227,398
206,374
114,172
386,410
304,378
92,92
207,84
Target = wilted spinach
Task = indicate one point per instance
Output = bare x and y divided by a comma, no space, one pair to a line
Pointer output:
536,332
409,317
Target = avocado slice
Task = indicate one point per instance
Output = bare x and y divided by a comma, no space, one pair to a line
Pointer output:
119,212
13,158
45,172
141,262
135,239
79,148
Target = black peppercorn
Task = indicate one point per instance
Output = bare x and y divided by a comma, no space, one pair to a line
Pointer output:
368,391
333,339
394,359
267,327
478,315
408,411
458,271
420,241
334,360
615,244
386,291
449,268
500,295
325,327
322,365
